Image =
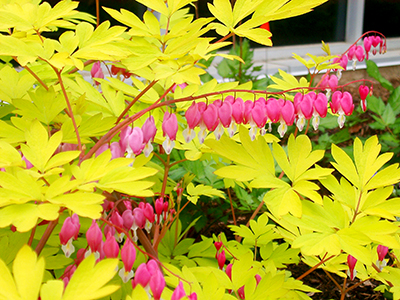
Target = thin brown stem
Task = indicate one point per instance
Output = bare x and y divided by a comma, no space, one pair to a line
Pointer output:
225,37
323,260
45,236
136,99
32,235
333,279
356,210
177,162
69,107
41,82
165,179
232,209
97,13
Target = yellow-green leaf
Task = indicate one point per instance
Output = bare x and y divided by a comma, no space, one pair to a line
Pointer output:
196,191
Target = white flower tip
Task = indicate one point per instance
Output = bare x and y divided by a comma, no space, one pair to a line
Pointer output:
125,276
168,145
68,248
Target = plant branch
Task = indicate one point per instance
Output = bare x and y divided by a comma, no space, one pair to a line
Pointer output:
323,260
69,107
33,74
136,99
232,209
45,236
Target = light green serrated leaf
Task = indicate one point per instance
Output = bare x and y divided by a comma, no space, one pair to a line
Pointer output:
39,148
83,204
25,216
201,189
222,10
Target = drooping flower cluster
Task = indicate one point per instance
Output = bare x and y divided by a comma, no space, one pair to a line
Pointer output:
372,44
133,141
141,217
227,114
231,112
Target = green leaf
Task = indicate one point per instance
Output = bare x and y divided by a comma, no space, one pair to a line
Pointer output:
196,191
39,148
83,204
89,281
287,82
376,104
394,100
373,71
222,10
44,105
388,115
25,216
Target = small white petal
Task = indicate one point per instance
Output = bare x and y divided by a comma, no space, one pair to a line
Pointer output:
219,131
315,122
301,121
253,132
282,129
232,129
68,248
168,145
341,119
148,149
125,276
202,135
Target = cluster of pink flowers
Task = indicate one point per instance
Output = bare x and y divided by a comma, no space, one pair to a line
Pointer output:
131,219
230,112
380,263
372,44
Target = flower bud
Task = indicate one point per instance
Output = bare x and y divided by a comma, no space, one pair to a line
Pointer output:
351,262
179,292
94,237
111,247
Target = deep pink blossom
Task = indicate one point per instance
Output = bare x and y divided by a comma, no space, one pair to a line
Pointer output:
157,284
170,125
221,258
225,114
351,262
94,237
193,115
69,232
142,276
97,72
179,292
128,257
342,102
359,53
149,130
382,251
210,117
170,128
135,142
364,91
111,247
237,110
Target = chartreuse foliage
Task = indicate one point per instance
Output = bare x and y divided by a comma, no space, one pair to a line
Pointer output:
255,163
356,216
25,282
